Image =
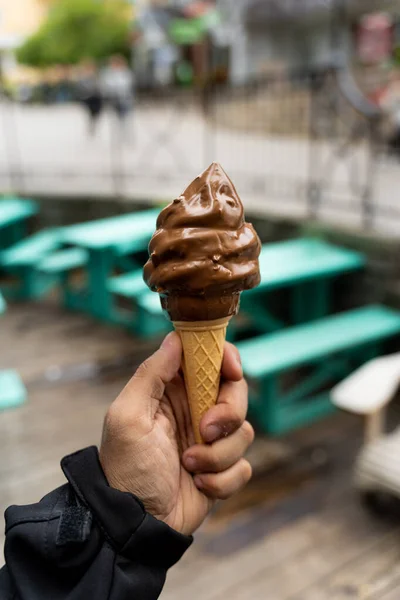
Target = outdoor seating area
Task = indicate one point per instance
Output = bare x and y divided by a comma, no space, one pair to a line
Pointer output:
253,454
96,268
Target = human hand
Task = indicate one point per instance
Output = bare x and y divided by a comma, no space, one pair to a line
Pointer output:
148,442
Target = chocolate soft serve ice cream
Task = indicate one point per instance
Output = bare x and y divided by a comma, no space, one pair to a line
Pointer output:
203,254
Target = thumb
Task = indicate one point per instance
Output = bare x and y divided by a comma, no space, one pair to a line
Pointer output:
159,369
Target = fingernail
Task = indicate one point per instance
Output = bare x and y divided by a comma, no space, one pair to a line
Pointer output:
212,433
190,463
167,341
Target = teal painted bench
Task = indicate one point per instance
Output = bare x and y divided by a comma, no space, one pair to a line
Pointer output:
12,390
144,316
329,349
58,266
61,261
20,261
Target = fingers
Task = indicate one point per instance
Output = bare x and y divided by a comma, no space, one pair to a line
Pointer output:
159,369
221,455
230,411
223,485
228,415
231,364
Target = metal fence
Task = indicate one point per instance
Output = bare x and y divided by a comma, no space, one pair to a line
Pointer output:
304,144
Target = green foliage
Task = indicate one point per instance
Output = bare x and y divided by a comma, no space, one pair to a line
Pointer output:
78,29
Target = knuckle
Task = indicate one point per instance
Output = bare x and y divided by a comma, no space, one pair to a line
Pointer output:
247,471
212,459
234,417
114,423
245,386
216,489
245,393
112,418
145,373
144,369
248,433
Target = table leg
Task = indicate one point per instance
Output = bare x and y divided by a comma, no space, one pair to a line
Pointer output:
310,301
298,304
12,234
319,299
256,307
18,232
99,269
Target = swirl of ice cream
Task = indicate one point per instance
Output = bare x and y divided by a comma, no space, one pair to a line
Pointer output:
203,254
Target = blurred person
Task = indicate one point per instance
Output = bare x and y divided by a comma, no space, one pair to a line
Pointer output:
128,512
89,93
390,103
118,87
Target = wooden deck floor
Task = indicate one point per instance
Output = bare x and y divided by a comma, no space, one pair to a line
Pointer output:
296,533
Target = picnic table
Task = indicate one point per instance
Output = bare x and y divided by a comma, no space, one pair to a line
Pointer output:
21,261
14,213
109,244
307,267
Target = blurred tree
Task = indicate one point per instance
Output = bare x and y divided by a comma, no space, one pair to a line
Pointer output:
78,29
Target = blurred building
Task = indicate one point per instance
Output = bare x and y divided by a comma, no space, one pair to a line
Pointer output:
18,20
249,37
268,35
292,34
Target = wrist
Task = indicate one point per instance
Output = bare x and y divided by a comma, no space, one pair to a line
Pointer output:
120,515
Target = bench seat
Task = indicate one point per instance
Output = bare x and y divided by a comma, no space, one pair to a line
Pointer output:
331,347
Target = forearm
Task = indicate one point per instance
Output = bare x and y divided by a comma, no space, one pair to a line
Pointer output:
86,540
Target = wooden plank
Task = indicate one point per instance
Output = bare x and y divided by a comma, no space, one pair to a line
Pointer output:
365,577
70,340
282,561
391,594
338,538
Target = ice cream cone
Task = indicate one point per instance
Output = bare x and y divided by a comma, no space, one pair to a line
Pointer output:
203,349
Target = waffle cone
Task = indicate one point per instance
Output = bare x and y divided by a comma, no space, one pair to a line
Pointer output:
203,349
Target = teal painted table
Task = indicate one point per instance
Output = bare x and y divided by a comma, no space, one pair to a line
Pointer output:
12,390
14,213
110,244
306,266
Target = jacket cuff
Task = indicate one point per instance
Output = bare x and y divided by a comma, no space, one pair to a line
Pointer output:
121,516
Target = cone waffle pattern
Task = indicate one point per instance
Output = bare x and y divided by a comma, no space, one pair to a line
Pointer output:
203,349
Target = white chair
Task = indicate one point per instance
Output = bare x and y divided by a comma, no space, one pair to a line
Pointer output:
367,392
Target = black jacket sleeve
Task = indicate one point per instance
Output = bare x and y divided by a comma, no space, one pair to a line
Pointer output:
86,541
